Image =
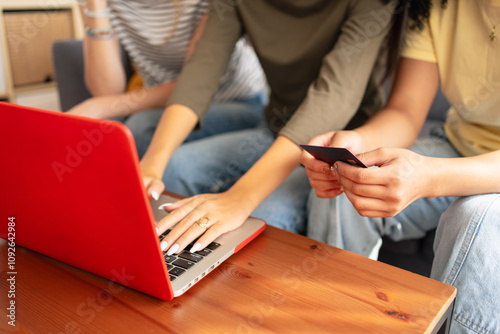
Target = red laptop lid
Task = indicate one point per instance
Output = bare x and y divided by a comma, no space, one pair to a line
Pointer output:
73,186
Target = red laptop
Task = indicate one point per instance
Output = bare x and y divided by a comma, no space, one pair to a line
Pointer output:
74,187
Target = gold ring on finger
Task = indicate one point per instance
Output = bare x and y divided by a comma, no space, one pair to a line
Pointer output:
204,222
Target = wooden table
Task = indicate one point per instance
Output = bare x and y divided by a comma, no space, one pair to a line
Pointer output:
281,283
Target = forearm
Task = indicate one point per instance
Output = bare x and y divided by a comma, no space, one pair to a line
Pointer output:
399,123
334,97
389,128
464,176
104,73
267,173
175,125
196,36
122,105
201,74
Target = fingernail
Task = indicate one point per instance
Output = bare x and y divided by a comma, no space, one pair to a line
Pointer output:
157,231
195,247
335,166
173,249
155,195
326,169
164,206
164,246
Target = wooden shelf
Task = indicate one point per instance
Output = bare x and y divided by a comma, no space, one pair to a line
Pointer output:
30,5
37,4
35,87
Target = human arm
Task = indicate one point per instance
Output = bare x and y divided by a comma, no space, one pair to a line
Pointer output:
196,36
124,104
404,176
397,125
104,73
229,210
190,100
334,97
175,125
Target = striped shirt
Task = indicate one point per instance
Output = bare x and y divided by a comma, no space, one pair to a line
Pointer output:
156,35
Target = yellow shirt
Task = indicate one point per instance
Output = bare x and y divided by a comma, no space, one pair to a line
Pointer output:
457,38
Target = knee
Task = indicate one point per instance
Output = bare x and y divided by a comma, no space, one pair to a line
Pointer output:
144,121
143,125
466,216
189,172
473,208
135,125
467,258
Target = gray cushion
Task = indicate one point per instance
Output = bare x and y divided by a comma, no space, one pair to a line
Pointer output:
67,56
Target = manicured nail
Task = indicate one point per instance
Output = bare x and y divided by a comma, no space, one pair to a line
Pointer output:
164,246
195,247
335,166
327,169
164,206
173,249
155,195
157,231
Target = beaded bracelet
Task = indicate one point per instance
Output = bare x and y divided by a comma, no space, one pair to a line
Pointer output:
100,34
97,14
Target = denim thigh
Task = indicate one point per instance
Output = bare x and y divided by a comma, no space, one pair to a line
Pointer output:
214,164
221,117
285,207
467,253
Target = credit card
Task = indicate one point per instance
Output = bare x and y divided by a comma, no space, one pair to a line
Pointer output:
331,155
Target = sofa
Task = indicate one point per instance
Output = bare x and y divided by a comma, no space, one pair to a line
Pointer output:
413,255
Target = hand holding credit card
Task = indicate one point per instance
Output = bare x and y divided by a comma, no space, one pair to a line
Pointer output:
331,155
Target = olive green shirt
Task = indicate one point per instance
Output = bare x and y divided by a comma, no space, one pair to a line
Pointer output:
323,60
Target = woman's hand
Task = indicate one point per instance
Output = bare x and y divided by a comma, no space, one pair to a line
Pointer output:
320,173
208,216
402,177
152,181
215,214
154,186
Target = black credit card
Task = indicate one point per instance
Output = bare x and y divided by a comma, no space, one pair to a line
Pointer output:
331,155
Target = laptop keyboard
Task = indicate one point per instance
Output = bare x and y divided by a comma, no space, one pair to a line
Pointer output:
178,264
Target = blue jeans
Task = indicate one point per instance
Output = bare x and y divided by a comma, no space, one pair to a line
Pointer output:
466,247
214,164
221,117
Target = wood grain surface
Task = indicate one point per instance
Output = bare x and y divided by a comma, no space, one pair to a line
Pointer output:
279,283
